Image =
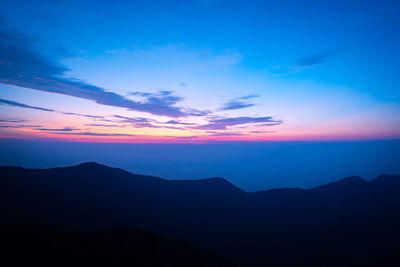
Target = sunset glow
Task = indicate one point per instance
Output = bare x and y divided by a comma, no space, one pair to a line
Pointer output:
157,79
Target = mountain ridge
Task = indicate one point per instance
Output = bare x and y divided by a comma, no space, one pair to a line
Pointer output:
249,228
357,180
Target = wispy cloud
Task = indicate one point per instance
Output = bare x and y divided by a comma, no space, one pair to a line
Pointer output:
65,129
222,124
259,132
317,58
21,105
93,134
83,115
178,122
15,123
249,96
235,104
17,104
139,122
22,64
12,120
19,126
238,103
185,137
224,134
308,61
105,125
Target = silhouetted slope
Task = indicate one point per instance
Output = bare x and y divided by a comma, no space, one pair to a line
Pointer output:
32,245
341,223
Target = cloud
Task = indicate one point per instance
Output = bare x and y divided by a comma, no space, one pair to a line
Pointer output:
178,122
257,132
105,125
15,123
249,96
222,124
22,64
139,122
21,105
16,104
83,115
94,134
185,137
317,58
238,103
19,126
195,112
164,98
65,129
224,134
12,120
235,105
307,62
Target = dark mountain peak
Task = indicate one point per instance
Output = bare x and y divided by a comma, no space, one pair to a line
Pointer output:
219,181
352,180
91,164
216,180
216,184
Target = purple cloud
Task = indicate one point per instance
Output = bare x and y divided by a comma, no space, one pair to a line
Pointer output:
139,122
65,129
222,124
224,134
12,120
238,103
19,126
93,134
21,105
235,104
105,125
178,122
16,104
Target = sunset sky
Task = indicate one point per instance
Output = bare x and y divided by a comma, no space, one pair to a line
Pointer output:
199,71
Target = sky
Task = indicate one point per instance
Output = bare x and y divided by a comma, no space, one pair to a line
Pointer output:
199,71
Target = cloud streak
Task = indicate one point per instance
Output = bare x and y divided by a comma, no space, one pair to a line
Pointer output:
317,58
65,129
239,103
19,126
93,134
17,104
236,105
12,120
139,122
222,124
21,105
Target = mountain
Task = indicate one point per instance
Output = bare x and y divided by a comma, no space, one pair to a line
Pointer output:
347,222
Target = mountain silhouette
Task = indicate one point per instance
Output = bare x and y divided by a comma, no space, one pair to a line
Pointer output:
38,245
343,223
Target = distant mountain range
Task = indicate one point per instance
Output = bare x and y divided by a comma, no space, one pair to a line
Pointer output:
343,223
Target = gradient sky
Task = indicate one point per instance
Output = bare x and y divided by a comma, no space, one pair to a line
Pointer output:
200,70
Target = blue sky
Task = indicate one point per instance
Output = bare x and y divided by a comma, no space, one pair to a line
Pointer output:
172,70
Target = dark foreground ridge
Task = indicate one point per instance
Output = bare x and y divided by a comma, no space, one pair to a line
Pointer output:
344,223
34,245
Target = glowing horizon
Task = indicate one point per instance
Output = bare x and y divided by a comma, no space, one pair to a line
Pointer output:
110,80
